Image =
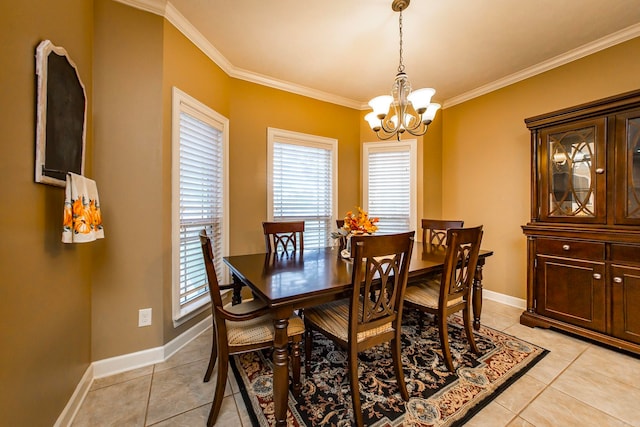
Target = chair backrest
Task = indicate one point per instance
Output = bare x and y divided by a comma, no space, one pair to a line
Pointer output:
434,231
212,278
379,279
283,236
461,259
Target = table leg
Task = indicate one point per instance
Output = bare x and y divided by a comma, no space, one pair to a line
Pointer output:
477,296
281,366
237,290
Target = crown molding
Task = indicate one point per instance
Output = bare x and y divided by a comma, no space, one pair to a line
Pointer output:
263,80
156,7
168,11
570,56
182,24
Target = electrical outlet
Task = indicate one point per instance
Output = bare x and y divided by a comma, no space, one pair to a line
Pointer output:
144,317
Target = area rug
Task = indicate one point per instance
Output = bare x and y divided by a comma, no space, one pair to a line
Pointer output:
437,396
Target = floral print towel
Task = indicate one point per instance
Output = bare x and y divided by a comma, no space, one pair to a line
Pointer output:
82,215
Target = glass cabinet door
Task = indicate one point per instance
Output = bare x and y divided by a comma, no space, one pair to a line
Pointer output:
572,172
627,205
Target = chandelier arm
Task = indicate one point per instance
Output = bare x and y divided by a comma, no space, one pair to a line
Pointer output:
418,125
387,129
386,136
419,133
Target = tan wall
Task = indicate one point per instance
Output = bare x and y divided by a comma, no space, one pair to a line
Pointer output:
254,108
45,286
432,170
486,152
190,70
129,161
141,64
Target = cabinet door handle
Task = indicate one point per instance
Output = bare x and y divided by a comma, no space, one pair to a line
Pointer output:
597,276
617,279
600,171
566,247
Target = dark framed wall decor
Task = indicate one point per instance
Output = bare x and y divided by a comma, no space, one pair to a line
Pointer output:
61,116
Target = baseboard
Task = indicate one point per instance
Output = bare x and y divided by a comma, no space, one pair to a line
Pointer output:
73,405
504,299
126,362
139,359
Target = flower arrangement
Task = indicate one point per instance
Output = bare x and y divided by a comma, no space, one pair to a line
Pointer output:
360,223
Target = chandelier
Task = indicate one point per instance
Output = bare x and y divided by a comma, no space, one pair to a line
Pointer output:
404,110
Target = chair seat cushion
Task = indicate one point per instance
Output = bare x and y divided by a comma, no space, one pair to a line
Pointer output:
333,317
426,293
259,330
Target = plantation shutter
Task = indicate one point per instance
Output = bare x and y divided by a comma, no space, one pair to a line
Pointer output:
302,189
201,203
389,185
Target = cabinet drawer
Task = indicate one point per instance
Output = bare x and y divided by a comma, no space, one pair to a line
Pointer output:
625,253
571,248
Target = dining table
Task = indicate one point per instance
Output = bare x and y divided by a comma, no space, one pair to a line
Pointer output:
295,280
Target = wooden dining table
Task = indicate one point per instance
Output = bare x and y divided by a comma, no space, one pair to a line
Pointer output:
296,280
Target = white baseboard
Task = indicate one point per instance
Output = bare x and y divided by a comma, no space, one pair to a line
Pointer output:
126,362
504,299
139,359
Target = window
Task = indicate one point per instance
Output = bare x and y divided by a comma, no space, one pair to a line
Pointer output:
389,184
199,199
302,183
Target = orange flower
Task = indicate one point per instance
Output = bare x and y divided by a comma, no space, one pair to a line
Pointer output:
360,223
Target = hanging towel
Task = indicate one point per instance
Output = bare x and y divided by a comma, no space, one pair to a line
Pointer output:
82,215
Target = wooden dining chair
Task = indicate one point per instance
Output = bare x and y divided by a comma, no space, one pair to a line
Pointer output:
434,231
372,315
283,236
239,329
452,292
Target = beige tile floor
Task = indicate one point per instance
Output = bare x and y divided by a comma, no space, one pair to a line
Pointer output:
577,384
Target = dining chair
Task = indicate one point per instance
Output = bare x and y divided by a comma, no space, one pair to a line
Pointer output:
452,292
241,328
283,236
372,314
434,231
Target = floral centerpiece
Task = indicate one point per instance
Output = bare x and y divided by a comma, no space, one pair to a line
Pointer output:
360,223
355,224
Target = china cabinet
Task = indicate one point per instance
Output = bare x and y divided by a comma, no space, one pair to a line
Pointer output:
583,240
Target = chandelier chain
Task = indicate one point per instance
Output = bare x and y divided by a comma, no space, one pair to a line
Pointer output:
400,65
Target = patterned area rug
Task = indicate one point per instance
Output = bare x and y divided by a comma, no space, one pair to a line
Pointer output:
437,397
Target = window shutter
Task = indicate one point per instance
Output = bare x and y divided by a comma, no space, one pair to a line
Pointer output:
389,189
303,188
201,203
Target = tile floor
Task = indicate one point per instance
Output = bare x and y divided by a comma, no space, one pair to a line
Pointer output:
577,384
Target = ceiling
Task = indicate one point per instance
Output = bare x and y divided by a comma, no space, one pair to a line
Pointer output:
347,51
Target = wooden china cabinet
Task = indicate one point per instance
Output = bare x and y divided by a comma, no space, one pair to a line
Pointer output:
583,240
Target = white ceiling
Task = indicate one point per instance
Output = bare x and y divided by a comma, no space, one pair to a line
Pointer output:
347,51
